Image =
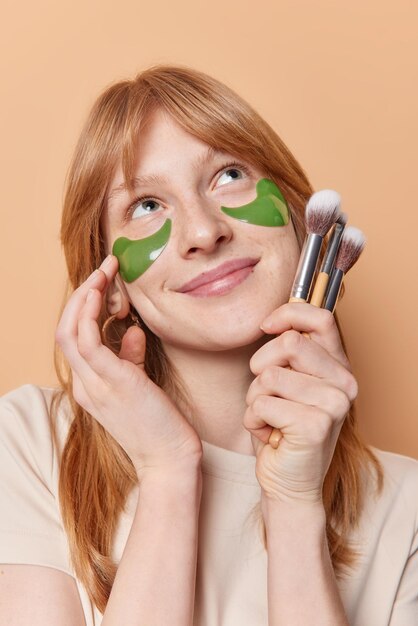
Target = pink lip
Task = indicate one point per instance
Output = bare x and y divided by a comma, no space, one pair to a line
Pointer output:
219,272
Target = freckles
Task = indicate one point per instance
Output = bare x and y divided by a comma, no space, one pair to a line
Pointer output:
135,256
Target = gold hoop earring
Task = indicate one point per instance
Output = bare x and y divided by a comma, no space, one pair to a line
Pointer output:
111,318
108,321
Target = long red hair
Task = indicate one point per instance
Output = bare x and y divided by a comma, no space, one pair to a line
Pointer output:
96,475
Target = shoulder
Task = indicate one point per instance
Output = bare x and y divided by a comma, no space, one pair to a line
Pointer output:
398,499
30,429
31,529
32,403
395,463
26,398
382,586
400,472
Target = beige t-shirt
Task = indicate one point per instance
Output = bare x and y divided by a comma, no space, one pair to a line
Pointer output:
231,583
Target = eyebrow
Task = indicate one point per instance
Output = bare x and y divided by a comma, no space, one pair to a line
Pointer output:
153,179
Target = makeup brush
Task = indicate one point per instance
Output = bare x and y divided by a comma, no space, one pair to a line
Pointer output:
351,246
322,211
327,266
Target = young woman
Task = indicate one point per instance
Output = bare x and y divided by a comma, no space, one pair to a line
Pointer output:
145,490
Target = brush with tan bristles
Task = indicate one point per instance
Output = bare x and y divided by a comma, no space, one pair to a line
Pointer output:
351,246
322,280
321,213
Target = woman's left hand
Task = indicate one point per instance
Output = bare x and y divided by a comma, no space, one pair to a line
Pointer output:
308,403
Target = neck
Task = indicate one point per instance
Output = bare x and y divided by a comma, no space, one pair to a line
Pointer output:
216,384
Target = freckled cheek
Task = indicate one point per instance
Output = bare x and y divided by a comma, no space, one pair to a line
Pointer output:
281,245
281,256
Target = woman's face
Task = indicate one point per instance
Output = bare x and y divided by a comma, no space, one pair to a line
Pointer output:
190,185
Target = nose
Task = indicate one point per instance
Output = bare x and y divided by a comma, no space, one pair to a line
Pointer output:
202,226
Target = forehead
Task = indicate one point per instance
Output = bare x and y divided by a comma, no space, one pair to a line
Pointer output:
143,180
161,139
162,143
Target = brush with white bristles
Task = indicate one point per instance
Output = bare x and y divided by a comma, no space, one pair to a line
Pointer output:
322,280
322,211
351,246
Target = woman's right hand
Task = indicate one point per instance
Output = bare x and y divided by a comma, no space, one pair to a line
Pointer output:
116,390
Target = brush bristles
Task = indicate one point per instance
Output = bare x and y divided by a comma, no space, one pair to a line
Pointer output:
322,211
351,246
343,219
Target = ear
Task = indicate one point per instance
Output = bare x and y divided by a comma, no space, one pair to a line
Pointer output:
117,298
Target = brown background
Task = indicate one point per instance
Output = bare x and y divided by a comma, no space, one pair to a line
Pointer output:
337,81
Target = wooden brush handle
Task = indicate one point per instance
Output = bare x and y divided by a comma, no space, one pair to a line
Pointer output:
319,289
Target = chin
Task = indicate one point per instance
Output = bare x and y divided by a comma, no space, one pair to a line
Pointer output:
227,337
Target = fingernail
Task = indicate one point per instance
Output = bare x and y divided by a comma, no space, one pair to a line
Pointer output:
89,294
93,275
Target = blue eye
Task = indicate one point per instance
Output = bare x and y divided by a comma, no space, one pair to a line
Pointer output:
136,206
151,205
228,172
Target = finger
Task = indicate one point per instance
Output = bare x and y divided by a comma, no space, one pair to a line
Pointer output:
67,339
89,342
305,356
302,388
110,267
133,346
67,327
83,375
304,317
298,423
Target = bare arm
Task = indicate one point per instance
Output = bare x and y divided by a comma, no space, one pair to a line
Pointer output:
155,580
302,588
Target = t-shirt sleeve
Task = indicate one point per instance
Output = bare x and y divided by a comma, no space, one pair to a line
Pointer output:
405,607
31,530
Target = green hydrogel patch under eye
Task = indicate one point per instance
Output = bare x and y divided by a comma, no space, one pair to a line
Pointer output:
269,208
135,256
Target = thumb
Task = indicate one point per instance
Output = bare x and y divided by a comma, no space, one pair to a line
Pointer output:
133,346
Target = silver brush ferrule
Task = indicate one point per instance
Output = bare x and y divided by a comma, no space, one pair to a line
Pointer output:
334,288
307,266
332,248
